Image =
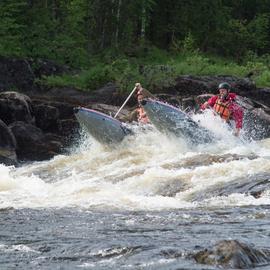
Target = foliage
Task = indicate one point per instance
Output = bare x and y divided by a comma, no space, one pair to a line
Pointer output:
73,31
147,40
11,27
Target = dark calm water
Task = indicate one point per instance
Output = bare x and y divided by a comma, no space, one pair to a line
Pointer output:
76,238
149,203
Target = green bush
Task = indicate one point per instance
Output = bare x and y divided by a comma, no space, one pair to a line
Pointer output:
125,72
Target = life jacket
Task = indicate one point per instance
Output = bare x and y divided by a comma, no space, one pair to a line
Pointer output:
142,117
222,109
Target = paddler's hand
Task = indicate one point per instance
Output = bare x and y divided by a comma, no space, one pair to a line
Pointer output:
204,106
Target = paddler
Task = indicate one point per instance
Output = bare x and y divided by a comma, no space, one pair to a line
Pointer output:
225,106
141,94
141,114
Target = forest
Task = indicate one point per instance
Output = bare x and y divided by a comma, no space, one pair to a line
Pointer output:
148,40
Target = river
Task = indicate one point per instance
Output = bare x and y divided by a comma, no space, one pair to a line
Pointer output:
148,203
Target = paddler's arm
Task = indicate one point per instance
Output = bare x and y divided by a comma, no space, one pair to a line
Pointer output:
209,103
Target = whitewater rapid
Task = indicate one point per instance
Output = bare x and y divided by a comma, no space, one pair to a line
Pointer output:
147,171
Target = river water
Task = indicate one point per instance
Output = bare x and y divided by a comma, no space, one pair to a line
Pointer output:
149,203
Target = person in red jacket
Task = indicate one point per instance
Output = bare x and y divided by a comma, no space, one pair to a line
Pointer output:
225,106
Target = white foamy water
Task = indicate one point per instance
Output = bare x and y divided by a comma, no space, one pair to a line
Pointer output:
147,171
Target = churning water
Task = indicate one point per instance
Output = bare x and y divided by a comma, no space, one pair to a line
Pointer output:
148,203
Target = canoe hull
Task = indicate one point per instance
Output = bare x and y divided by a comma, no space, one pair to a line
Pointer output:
169,119
100,126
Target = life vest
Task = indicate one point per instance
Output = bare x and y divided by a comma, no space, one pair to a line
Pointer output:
222,109
142,117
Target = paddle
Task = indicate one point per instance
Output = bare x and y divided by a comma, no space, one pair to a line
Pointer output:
126,100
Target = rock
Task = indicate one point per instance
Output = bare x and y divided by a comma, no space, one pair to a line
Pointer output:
68,127
187,85
46,117
7,145
107,94
233,254
261,94
33,144
256,123
15,107
65,110
110,110
66,95
253,185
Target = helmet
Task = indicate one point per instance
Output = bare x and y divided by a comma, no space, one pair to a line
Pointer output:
224,85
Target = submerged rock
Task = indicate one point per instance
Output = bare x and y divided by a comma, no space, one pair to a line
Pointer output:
233,254
171,188
253,185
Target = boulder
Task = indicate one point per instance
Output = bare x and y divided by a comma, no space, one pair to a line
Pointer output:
261,94
46,117
68,128
15,107
233,254
254,185
33,144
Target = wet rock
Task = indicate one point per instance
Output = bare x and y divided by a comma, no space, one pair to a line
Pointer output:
205,160
233,254
253,185
7,145
261,94
46,117
33,144
65,110
15,107
256,123
172,187
68,127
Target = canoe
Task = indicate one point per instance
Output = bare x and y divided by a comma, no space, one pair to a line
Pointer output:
171,120
102,127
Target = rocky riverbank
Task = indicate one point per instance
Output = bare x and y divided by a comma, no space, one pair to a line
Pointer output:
37,122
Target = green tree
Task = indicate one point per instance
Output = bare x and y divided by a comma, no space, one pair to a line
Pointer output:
12,27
